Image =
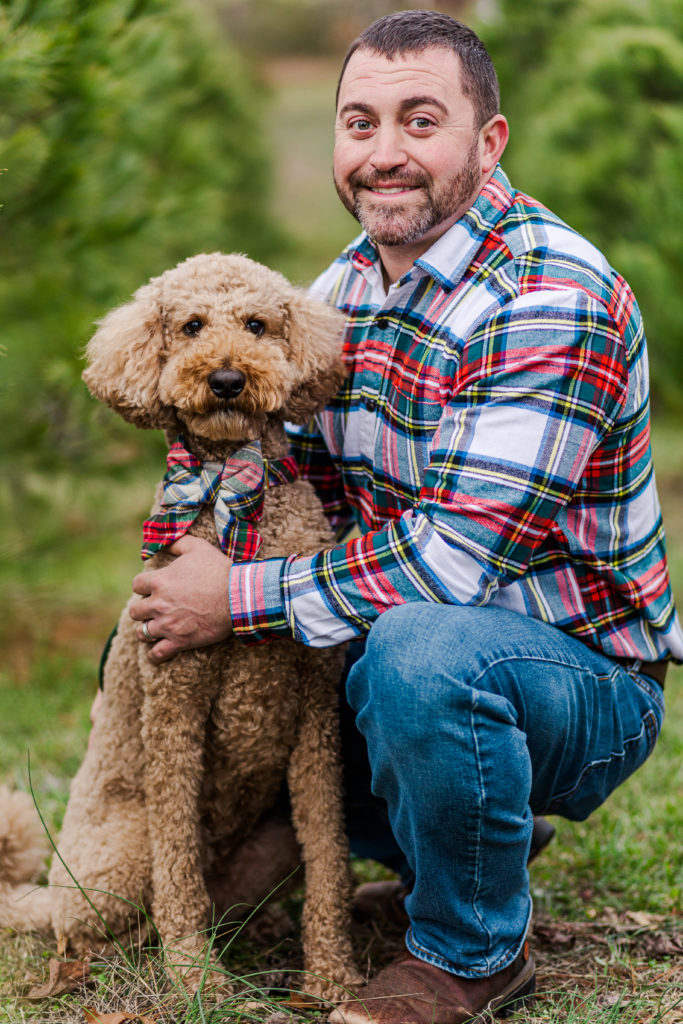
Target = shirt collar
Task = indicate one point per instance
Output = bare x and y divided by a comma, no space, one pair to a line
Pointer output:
448,259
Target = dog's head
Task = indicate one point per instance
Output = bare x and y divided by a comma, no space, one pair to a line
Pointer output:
213,346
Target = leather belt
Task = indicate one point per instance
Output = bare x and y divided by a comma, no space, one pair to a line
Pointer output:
652,669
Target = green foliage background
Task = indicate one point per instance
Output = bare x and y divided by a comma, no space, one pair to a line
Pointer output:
131,139
593,90
136,132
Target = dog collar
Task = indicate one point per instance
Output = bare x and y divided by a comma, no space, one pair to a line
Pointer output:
236,488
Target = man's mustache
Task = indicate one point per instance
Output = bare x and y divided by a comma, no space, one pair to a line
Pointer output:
388,179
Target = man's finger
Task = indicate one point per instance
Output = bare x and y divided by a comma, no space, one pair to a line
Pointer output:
186,543
142,584
142,609
145,635
162,651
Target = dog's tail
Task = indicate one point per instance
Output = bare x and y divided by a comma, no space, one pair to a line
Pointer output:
23,851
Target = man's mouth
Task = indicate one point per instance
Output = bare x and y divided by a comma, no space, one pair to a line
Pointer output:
393,191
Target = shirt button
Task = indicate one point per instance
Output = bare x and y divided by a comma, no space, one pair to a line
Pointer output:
382,323
370,404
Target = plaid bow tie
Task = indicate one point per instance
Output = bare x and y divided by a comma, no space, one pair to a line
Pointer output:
236,488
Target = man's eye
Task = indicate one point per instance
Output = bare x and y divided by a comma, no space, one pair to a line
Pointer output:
256,327
360,124
421,123
193,327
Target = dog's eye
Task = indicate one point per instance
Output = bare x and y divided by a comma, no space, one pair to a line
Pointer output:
256,327
193,327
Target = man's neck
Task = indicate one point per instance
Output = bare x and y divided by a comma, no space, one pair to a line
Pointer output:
396,260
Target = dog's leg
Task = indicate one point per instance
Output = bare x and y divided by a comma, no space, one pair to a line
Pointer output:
178,696
99,880
315,792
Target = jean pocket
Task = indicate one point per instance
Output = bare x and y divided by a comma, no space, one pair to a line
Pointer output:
634,725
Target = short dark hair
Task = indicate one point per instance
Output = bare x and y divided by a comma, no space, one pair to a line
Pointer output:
413,31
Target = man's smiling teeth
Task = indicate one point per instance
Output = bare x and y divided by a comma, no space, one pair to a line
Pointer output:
392,191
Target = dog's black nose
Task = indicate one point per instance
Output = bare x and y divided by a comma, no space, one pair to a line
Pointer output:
227,383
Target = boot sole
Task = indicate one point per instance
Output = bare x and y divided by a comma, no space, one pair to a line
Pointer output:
520,990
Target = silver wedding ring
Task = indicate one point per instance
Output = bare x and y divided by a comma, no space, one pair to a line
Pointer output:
145,630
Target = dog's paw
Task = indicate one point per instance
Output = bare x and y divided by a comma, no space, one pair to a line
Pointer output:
329,983
210,981
192,963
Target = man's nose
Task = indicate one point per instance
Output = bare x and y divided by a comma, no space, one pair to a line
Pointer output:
389,149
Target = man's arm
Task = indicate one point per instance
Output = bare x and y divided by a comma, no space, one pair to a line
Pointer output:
538,386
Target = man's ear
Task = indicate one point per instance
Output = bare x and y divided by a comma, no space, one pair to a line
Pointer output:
315,339
125,357
493,138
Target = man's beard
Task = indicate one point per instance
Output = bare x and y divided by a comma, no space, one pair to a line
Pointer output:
402,224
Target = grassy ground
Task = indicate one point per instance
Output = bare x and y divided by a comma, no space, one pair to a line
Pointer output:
607,932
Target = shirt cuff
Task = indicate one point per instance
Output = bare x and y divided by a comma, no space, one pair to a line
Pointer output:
257,604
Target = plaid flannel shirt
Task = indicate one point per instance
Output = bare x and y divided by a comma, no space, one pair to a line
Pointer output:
491,442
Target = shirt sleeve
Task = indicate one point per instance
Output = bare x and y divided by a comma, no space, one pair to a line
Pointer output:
538,386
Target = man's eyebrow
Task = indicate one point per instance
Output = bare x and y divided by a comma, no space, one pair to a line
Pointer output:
420,101
408,104
361,108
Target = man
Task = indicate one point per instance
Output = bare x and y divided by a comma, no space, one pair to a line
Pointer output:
510,582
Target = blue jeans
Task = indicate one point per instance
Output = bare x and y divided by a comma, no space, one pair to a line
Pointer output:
475,719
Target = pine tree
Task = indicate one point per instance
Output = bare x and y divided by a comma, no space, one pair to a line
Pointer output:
594,94
131,139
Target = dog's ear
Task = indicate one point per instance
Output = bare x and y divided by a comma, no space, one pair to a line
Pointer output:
315,332
125,357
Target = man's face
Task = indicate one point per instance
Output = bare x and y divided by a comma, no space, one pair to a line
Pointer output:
407,160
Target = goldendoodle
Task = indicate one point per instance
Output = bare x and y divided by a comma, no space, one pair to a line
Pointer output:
186,756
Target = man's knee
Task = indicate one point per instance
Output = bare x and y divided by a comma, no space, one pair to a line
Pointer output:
400,684
418,641
382,687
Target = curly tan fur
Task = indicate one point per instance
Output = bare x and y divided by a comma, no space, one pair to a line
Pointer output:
23,844
185,757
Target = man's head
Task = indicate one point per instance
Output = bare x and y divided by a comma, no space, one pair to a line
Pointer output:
407,32
417,131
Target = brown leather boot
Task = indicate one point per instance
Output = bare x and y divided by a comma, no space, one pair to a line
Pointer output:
410,991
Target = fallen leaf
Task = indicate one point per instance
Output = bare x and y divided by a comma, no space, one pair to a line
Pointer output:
301,1001
555,935
659,944
98,1017
643,919
65,976
92,1016
279,1017
609,916
610,998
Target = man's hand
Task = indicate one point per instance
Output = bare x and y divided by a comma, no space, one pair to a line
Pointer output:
185,604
